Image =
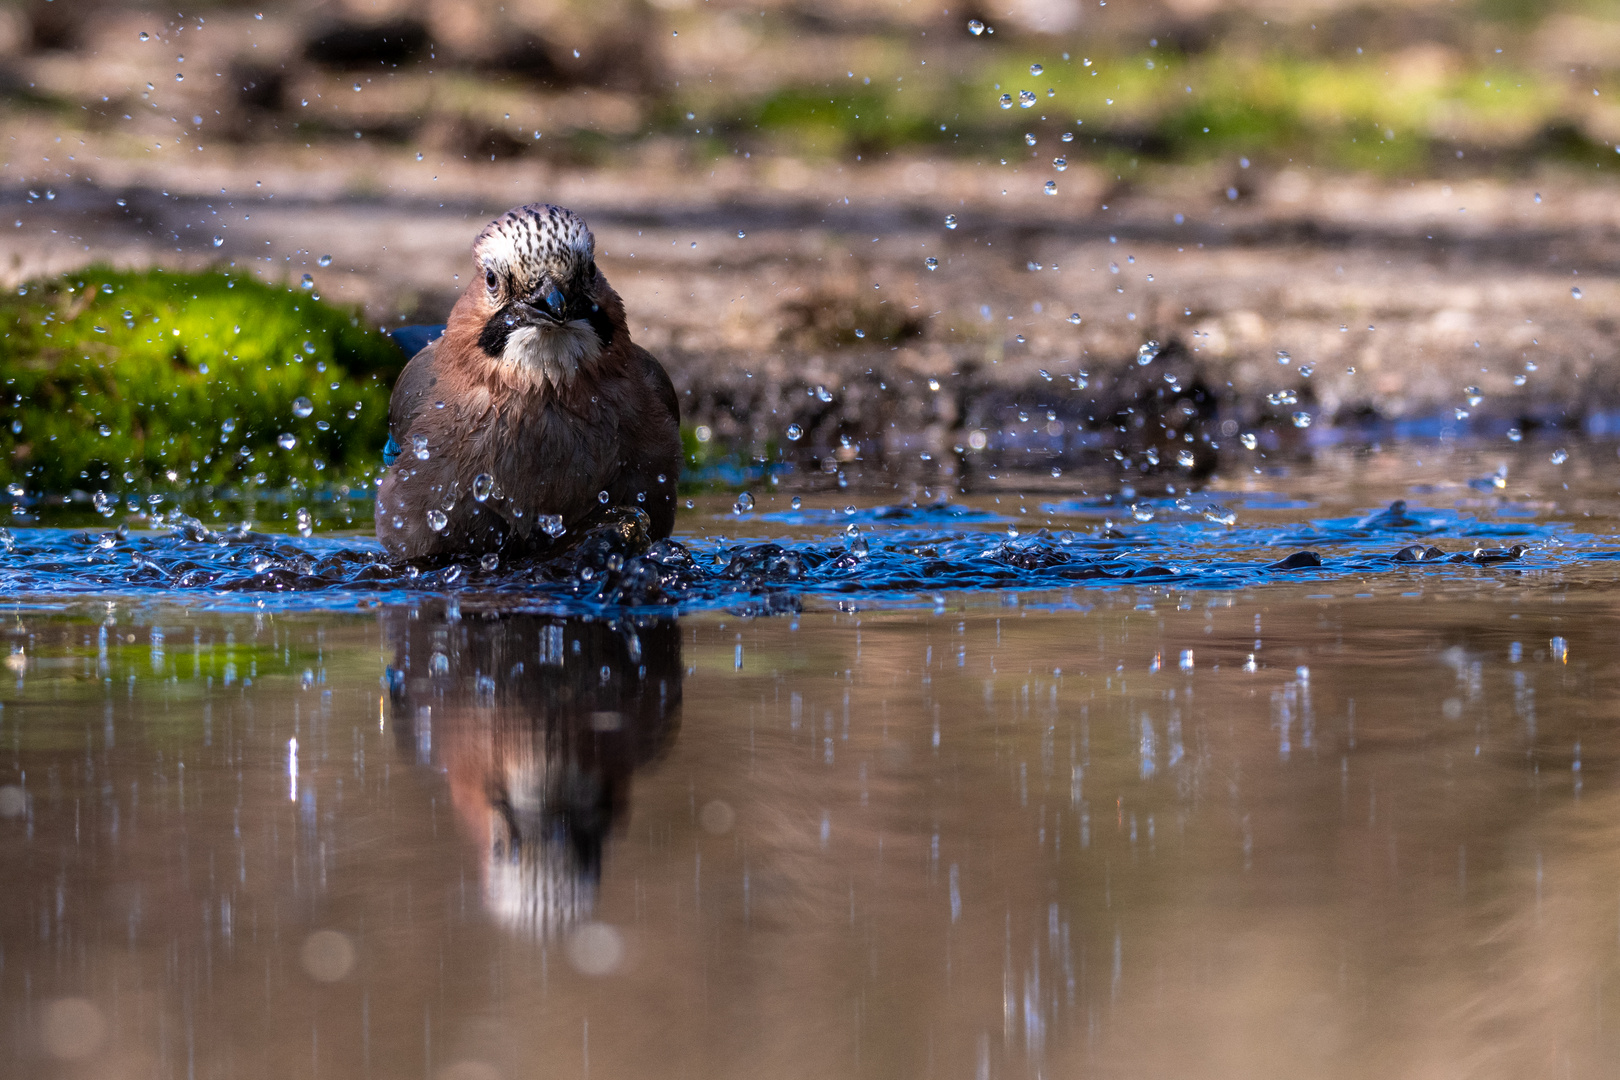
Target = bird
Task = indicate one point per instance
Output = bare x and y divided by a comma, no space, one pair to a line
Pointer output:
538,755
533,416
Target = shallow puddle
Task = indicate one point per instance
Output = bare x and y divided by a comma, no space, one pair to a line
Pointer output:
1348,820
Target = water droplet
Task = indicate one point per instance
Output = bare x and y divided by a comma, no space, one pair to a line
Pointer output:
860,333
741,234
305,523
106,503
602,497
1575,292
794,432
1035,69
179,77
950,221
1019,338
1302,419
595,949
437,520
1185,459
105,430
1560,456
931,262
1249,441
1051,187
488,561
744,504
1514,434
145,36
302,407
219,241
307,282
1006,101
287,440
1147,352
975,27
1142,512
483,484
1029,138
1060,164
327,955
324,260
552,525
1026,99
1473,394
419,446
71,1029
357,88
796,503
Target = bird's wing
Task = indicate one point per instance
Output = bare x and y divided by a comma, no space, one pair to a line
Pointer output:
653,373
408,392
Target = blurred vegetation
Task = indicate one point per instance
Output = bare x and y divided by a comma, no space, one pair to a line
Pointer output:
1397,89
1379,114
118,382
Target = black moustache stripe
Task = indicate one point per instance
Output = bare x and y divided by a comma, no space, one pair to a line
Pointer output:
492,339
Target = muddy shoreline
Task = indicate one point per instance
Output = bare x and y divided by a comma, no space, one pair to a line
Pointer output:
781,311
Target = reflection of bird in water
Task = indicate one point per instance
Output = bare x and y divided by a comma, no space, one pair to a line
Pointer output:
533,411
538,723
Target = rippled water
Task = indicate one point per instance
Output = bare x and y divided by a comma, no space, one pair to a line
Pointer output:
769,554
1112,796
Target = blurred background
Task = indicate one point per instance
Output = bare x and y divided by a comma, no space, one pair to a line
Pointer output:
893,230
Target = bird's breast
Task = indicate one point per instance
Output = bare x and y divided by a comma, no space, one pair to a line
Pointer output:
535,357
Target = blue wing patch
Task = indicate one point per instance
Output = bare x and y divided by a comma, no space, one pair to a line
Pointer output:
413,339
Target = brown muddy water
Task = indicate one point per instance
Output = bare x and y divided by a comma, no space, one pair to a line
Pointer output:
1360,825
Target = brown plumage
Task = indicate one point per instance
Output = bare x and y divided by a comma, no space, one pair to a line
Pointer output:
532,404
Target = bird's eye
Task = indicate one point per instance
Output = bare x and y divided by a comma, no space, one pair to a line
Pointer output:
489,279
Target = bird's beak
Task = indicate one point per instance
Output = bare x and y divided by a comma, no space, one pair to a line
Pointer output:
545,307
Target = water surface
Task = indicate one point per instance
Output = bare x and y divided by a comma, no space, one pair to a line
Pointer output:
953,812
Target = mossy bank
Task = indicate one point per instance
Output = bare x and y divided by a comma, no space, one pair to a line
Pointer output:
120,382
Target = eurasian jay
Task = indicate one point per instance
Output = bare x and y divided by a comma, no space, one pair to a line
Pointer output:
534,413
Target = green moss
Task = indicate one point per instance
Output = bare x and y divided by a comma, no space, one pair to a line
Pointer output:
1387,113
837,122
1367,112
113,379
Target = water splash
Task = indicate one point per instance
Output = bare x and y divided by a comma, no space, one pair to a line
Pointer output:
878,556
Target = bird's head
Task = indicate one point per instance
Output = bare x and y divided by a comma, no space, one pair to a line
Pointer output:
542,310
